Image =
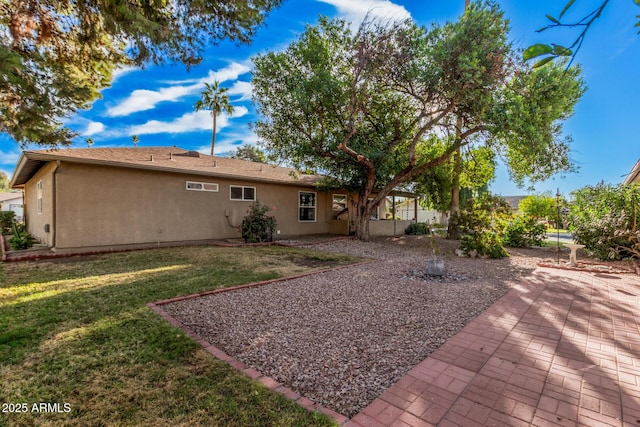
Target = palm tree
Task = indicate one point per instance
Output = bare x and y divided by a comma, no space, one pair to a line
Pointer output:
214,98
135,140
89,142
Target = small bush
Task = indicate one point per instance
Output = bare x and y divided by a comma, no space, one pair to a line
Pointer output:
6,221
482,222
524,231
485,243
418,228
257,226
21,238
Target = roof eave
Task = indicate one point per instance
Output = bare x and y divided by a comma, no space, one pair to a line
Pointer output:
635,171
35,156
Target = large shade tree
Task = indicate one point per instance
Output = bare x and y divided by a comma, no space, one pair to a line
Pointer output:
56,55
369,108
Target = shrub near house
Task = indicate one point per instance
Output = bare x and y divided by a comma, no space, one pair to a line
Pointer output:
257,226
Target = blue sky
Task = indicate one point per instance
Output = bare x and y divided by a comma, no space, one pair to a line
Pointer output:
157,103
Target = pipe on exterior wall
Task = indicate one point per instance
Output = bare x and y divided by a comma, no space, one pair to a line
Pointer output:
54,204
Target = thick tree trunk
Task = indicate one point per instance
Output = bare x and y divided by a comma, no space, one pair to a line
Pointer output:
362,218
454,230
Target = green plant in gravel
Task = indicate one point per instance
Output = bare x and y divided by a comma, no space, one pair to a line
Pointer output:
417,228
78,331
257,226
605,218
523,231
482,221
21,238
6,221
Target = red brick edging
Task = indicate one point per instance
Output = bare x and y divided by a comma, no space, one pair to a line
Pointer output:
589,270
267,381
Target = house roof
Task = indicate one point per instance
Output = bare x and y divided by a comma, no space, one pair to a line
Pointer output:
10,196
168,159
514,201
633,175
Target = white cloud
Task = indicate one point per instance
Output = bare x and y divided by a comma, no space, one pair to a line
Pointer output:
232,140
244,89
119,72
356,10
9,158
93,128
230,72
143,99
189,122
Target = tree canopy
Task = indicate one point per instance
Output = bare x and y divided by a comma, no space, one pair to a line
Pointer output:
375,109
55,56
249,152
539,206
4,182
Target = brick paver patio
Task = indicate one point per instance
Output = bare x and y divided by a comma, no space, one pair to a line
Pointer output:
561,348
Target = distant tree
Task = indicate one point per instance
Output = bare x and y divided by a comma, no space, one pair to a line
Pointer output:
553,51
4,182
477,170
366,107
135,140
89,142
214,98
539,206
56,56
249,152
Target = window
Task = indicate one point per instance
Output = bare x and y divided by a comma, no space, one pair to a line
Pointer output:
339,202
306,206
202,186
39,197
243,193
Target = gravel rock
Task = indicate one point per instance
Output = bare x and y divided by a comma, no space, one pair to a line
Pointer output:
342,337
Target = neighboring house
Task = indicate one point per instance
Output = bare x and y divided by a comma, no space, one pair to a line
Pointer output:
633,177
514,202
408,209
12,202
97,197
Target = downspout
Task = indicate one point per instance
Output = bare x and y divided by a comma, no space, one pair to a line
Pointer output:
54,204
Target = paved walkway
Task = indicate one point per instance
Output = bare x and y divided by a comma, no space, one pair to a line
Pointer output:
562,348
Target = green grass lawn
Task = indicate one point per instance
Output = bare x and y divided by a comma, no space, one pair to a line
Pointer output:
77,331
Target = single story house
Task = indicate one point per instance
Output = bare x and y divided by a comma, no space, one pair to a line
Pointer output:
12,202
106,197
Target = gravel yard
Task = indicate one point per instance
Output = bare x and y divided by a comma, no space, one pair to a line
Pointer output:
342,337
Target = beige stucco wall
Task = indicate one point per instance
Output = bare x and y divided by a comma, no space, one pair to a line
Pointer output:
388,228
36,221
103,206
